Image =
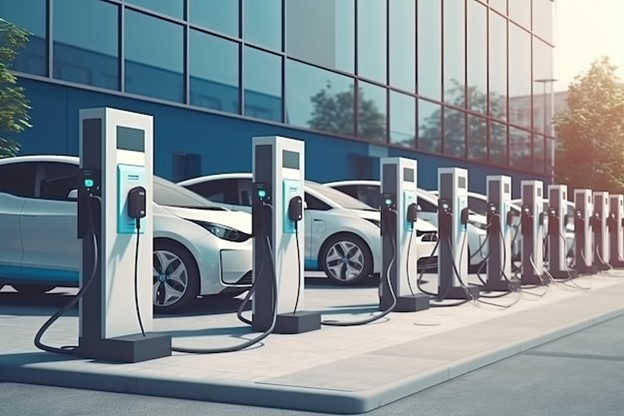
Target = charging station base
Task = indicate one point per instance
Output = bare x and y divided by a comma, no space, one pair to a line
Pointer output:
617,264
498,285
127,349
300,321
564,274
586,270
410,303
533,279
458,292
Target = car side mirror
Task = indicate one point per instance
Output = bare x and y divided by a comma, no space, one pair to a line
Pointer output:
73,194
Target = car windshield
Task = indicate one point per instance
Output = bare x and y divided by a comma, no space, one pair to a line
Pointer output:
173,195
340,198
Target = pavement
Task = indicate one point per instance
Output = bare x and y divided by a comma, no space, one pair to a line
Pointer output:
335,370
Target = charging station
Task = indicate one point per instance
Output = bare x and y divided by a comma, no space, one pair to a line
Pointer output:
115,207
452,223
499,220
583,214
399,213
557,220
601,236
278,229
616,230
532,228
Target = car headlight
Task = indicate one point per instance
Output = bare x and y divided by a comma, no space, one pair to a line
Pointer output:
223,231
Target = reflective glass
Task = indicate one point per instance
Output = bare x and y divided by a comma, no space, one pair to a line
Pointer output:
542,86
477,138
371,112
429,49
498,66
477,57
154,71
31,16
498,143
402,119
219,15
550,154
519,149
263,23
213,66
543,19
519,77
429,126
499,5
319,99
334,46
262,80
86,48
403,44
538,154
371,41
454,132
454,52
520,12
173,8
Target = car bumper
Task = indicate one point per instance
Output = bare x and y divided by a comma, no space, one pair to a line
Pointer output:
236,267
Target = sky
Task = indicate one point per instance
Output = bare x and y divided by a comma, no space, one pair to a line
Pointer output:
585,30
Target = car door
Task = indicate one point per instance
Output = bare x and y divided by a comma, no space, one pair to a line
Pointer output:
48,223
17,183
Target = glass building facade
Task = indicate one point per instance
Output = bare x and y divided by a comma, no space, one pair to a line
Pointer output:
455,78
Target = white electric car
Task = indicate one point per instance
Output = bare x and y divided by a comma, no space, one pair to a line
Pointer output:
199,248
341,233
367,191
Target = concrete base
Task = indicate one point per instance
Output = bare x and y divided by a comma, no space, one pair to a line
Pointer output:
617,264
300,321
127,349
533,279
459,292
563,274
586,270
500,285
410,303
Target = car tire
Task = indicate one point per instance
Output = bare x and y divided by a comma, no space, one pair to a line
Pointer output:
26,289
175,277
346,259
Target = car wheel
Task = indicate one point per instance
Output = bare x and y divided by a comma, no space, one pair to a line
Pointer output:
176,279
32,289
346,258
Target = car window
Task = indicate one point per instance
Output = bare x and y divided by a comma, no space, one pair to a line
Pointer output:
426,206
171,194
315,203
18,179
57,180
221,190
340,198
477,205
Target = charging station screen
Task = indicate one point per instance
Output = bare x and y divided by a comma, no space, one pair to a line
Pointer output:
290,159
461,182
408,175
130,139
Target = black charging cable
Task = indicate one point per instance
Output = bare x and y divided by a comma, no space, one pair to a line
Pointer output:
136,276
298,267
71,350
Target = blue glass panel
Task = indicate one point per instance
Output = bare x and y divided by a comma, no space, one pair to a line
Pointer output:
454,52
498,66
430,48
477,138
319,99
477,57
429,126
498,143
154,71
403,44
402,119
371,42
334,46
173,8
519,77
214,72
219,15
262,80
520,149
454,132
86,42
263,23
371,123
31,16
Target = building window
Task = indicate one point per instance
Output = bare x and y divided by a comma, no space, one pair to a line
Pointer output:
371,39
519,76
263,23
174,8
86,42
520,149
520,12
402,119
543,19
154,71
454,52
477,138
403,44
371,120
454,132
262,80
429,126
213,70
539,159
29,15
185,166
498,143
498,67
477,58
218,15
429,48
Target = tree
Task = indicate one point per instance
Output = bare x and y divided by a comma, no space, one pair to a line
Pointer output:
590,132
13,104
334,113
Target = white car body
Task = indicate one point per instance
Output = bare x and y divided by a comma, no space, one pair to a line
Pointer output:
328,214
368,192
40,247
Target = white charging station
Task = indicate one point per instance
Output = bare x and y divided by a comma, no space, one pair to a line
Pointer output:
278,177
399,245
601,236
616,230
452,223
583,214
557,219
116,156
499,235
532,229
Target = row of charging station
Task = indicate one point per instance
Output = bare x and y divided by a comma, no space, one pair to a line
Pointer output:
115,213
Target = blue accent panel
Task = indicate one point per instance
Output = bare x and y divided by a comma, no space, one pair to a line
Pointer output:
310,264
408,198
127,178
291,189
11,272
53,275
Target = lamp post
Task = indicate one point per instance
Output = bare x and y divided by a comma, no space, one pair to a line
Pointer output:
548,131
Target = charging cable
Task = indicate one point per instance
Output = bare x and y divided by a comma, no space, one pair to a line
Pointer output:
298,267
136,276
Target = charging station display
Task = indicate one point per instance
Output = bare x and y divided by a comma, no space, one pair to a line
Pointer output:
129,177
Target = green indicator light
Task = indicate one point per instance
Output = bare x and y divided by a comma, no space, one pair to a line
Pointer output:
261,193
88,183
388,201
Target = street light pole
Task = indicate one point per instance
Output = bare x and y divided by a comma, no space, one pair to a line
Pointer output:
546,130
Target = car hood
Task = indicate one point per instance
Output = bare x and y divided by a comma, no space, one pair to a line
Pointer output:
234,219
376,216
